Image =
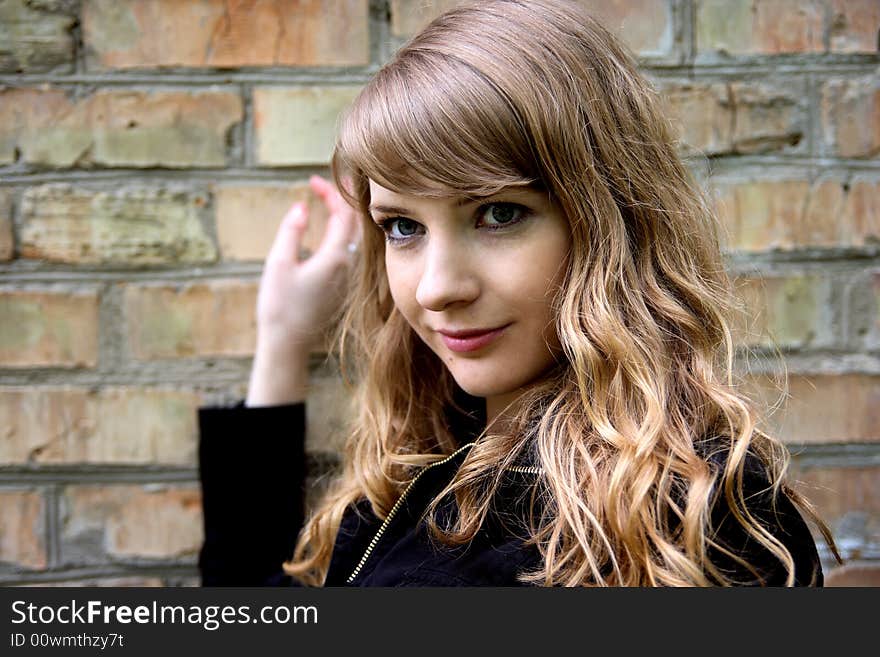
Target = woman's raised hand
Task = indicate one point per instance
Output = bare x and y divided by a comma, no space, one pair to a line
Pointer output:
298,298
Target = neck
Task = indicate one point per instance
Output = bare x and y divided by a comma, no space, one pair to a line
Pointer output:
500,409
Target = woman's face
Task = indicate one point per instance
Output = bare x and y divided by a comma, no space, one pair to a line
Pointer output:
475,280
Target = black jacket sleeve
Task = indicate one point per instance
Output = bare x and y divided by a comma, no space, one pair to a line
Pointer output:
252,473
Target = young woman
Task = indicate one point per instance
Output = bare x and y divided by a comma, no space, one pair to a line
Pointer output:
537,331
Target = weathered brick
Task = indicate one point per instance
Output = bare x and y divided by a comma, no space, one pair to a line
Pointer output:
644,25
23,529
825,408
407,17
7,242
35,37
703,115
48,327
786,311
753,117
125,227
854,574
118,522
296,126
117,127
864,309
26,111
104,581
216,33
854,25
112,425
791,214
851,116
198,319
861,209
328,411
759,27
848,500
768,117
248,218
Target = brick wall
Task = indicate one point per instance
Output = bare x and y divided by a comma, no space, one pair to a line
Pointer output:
148,149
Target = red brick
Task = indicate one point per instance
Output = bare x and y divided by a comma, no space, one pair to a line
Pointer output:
126,227
854,574
118,127
7,242
123,425
760,27
198,319
854,26
36,37
248,218
793,214
851,116
644,25
22,529
825,408
104,523
217,33
48,327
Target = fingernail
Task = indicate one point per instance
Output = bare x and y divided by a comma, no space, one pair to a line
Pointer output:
297,212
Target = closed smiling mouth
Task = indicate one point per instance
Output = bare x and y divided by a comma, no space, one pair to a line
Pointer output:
463,340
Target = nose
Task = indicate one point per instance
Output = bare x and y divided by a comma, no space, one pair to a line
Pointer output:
449,276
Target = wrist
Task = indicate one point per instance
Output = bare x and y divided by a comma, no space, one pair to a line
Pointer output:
278,378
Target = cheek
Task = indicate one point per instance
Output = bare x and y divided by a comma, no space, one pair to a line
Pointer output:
538,287
401,284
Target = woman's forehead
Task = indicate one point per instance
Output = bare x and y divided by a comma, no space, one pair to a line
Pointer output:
390,201
423,188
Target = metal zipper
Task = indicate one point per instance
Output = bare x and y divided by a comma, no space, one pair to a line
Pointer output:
396,507
522,469
525,469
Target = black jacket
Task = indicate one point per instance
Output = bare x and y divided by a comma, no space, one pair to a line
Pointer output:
253,476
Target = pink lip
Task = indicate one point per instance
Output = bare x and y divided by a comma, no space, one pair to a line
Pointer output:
463,341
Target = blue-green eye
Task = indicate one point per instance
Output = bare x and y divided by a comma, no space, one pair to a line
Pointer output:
398,229
406,227
496,215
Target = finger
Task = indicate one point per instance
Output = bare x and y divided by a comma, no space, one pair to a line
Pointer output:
342,225
327,192
340,231
288,239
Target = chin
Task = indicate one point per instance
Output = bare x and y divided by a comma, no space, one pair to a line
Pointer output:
485,386
497,381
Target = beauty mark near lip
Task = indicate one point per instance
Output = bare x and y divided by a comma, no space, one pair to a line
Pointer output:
464,341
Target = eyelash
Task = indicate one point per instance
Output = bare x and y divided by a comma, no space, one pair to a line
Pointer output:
387,223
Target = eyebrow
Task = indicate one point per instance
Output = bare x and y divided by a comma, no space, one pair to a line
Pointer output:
396,209
388,209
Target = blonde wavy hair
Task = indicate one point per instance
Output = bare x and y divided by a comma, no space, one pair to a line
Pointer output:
504,93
